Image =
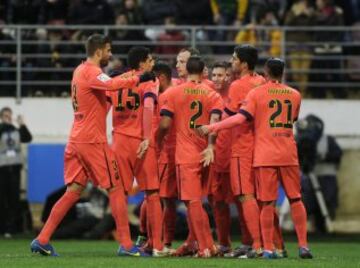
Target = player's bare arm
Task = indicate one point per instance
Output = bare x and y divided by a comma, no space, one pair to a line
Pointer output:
164,126
209,153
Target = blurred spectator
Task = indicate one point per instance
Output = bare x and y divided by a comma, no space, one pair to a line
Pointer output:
3,8
7,60
54,48
300,54
319,154
327,66
268,41
351,9
22,11
90,12
353,51
278,7
132,12
229,12
53,12
190,12
170,35
122,34
155,11
11,161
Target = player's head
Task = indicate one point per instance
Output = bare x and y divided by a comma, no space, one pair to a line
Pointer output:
98,47
182,59
218,75
163,73
6,115
274,69
244,57
195,66
229,73
140,58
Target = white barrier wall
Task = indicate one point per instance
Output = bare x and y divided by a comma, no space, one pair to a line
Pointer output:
50,119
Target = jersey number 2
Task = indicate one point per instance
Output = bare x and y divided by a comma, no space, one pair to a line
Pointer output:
195,105
131,105
279,109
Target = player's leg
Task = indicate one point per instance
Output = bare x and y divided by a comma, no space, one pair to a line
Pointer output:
169,220
267,187
168,195
147,175
105,172
244,185
124,148
278,238
58,212
249,202
75,178
220,189
246,241
191,192
142,238
290,178
206,189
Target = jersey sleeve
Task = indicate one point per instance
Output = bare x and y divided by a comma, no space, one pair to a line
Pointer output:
248,107
217,104
297,109
168,108
151,90
231,106
236,98
101,81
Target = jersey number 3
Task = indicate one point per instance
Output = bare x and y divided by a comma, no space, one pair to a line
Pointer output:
278,105
195,105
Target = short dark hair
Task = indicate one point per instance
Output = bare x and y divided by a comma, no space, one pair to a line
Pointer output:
275,67
5,109
248,54
220,64
136,55
95,42
161,67
191,50
195,65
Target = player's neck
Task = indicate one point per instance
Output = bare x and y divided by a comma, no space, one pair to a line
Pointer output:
224,91
275,80
195,78
164,88
246,72
93,61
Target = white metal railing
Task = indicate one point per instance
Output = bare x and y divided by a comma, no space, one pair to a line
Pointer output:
28,63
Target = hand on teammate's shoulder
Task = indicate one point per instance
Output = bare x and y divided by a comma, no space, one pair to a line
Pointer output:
147,76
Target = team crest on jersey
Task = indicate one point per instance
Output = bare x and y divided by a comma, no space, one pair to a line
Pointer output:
103,77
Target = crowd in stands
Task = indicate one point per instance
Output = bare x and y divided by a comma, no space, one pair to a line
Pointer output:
245,14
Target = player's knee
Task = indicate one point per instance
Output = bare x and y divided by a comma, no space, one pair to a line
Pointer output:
294,200
169,202
246,197
268,203
151,192
221,204
75,187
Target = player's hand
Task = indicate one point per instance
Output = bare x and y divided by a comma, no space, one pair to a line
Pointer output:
208,156
147,76
144,145
202,130
20,120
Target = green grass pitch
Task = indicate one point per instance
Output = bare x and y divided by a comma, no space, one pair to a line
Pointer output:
329,252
